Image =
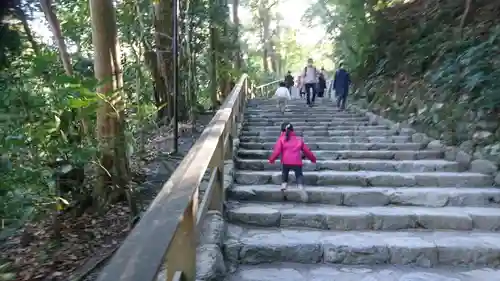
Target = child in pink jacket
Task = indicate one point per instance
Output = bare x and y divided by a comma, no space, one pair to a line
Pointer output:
291,147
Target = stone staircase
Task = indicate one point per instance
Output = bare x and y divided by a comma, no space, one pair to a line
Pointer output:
381,206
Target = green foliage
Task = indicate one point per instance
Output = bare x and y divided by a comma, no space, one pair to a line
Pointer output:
468,67
350,25
46,115
38,126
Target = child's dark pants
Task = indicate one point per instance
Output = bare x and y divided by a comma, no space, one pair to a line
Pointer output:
299,176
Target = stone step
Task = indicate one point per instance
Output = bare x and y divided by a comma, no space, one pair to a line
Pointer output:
341,146
402,166
298,105
332,133
422,248
331,123
294,102
363,218
332,272
312,118
353,139
313,127
353,154
301,110
369,178
373,196
304,114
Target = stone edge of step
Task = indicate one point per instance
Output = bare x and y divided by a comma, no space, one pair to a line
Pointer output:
310,272
452,153
373,196
253,245
356,164
348,218
369,178
343,145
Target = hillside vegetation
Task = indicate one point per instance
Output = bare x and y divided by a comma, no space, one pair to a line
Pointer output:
431,64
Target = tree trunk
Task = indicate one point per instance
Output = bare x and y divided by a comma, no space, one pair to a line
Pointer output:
114,171
56,31
236,22
266,37
213,56
159,85
29,34
163,39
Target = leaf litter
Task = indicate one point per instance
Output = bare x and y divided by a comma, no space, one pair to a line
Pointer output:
88,240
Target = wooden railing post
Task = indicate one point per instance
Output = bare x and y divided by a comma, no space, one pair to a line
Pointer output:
182,251
228,153
217,163
243,98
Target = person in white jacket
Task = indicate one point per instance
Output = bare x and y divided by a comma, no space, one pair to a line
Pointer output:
282,95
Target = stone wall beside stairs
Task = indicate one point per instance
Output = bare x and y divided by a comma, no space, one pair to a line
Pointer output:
468,162
210,262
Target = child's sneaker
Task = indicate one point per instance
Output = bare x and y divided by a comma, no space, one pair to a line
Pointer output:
284,187
303,193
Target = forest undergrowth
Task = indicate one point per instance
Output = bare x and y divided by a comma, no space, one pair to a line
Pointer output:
432,64
89,240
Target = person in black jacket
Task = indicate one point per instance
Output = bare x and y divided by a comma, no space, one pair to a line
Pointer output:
341,85
289,81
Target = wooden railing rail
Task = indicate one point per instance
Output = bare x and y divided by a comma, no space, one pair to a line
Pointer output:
168,231
263,89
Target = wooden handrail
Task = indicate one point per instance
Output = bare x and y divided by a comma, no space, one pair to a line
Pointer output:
168,231
267,84
260,88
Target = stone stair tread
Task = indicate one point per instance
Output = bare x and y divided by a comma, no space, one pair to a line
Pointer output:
331,132
356,164
315,127
360,161
346,151
348,218
373,173
254,245
370,178
271,122
375,196
374,139
341,146
332,272
305,118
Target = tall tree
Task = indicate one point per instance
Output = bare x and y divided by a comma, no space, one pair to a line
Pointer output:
163,40
114,172
51,17
236,22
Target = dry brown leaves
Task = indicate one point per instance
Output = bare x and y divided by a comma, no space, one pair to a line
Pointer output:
82,238
87,237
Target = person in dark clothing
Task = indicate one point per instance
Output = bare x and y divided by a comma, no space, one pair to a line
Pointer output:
321,83
341,85
300,85
289,81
